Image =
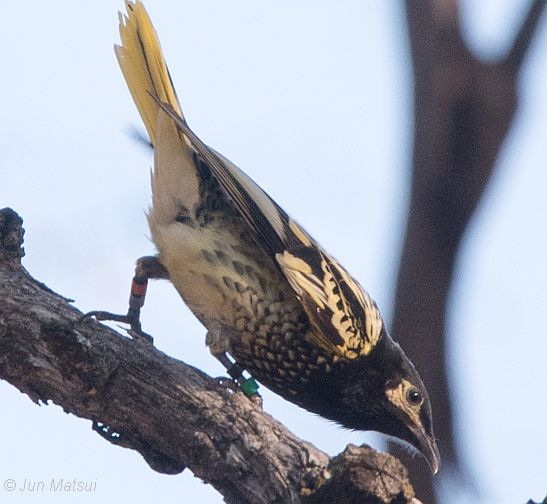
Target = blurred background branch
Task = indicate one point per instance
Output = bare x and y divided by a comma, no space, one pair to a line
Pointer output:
463,110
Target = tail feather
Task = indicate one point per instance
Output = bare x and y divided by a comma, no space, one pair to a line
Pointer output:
143,65
175,183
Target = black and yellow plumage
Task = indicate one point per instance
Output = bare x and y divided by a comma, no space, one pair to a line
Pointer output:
269,295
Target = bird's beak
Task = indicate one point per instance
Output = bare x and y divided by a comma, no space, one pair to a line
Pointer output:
428,448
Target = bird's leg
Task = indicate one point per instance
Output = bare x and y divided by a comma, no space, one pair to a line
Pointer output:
148,267
218,341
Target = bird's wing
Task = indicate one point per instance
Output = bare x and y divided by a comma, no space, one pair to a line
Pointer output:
345,318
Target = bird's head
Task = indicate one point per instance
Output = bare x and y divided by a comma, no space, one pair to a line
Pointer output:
409,412
387,395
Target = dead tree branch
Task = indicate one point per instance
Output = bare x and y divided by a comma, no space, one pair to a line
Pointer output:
174,415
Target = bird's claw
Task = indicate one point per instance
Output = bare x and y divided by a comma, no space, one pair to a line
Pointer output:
131,318
248,386
140,335
227,382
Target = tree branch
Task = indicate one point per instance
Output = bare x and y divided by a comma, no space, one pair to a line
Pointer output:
174,415
463,110
524,37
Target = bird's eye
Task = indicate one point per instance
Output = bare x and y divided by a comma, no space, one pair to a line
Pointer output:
414,396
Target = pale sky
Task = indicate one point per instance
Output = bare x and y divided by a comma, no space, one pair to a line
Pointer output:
313,100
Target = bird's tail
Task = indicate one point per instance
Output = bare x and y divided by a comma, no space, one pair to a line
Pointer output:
175,181
143,66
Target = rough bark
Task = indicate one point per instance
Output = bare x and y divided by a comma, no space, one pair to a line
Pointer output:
174,415
463,110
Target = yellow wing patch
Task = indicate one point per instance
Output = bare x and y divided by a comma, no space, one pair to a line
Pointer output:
302,279
300,233
345,318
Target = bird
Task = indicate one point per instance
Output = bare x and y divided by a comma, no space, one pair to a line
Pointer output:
275,304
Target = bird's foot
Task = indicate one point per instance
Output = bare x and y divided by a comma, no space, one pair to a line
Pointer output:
218,340
247,385
227,382
236,381
131,318
146,268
